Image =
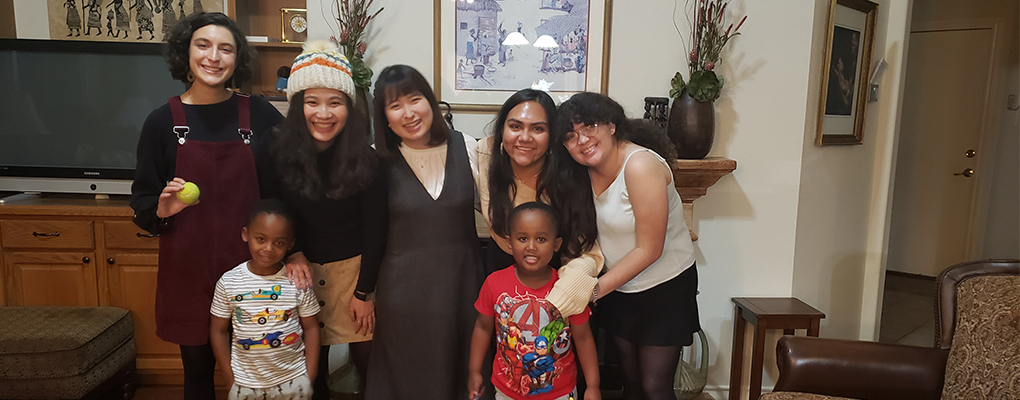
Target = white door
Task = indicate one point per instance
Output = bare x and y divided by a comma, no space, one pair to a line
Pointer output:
944,104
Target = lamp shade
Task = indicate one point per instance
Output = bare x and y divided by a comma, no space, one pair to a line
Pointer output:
546,42
515,39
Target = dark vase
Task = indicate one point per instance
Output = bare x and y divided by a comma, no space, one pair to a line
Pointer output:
363,107
691,127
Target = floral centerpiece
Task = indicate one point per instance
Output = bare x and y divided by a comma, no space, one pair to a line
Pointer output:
706,43
353,16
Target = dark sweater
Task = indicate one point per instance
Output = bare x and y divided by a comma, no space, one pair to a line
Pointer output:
331,230
157,147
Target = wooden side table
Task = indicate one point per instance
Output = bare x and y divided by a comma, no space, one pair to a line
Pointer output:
786,313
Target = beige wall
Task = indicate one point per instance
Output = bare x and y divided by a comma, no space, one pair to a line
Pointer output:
793,219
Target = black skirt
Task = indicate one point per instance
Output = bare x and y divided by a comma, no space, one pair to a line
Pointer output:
664,315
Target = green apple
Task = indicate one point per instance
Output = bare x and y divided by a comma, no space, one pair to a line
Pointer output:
188,195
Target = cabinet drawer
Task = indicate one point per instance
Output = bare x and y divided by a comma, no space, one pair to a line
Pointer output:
47,234
127,235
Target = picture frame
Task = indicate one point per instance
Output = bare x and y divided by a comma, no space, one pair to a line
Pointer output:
476,71
293,25
846,68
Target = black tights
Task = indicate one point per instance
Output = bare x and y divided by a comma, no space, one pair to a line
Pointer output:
647,370
199,368
359,355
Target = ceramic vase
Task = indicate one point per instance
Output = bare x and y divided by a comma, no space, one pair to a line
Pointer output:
691,127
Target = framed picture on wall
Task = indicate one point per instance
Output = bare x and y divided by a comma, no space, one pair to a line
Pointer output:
845,71
486,49
120,20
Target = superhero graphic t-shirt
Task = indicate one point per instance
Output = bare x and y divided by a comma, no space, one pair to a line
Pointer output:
534,355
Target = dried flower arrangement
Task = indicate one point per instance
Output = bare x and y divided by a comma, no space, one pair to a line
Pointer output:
354,16
707,40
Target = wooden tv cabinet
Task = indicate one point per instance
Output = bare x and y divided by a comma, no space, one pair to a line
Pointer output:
74,250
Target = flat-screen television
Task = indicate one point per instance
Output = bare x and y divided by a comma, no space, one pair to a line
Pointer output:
71,112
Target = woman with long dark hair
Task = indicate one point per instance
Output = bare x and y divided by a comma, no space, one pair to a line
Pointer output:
649,304
321,165
431,272
517,164
204,136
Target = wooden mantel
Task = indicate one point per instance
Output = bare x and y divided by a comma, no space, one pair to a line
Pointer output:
692,179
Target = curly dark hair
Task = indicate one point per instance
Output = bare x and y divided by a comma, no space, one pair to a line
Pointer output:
351,164
178,46
536,206
271,207
594,108
400,80
563,182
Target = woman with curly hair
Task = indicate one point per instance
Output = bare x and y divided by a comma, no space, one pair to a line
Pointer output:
518,164
204,136
320,163
649,305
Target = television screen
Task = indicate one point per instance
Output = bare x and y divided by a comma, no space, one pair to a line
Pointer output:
74,110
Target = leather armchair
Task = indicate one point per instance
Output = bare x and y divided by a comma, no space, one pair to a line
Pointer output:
990,312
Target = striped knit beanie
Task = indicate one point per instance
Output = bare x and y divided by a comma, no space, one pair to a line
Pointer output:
320,65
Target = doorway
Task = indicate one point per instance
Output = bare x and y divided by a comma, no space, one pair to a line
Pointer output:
943,123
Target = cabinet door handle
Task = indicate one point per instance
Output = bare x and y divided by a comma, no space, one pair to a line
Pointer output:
110,261
45,234
85,260
147,235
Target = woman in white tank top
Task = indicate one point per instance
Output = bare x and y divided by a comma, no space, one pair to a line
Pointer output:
648,292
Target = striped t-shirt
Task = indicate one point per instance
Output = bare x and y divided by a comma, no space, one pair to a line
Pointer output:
267,347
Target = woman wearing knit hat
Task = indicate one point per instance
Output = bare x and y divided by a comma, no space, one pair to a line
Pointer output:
206,136
320,163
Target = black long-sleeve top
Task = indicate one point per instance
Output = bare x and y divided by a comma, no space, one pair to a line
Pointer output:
331,230
157,147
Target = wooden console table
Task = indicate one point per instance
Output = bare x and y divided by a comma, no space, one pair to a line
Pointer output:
692,178
786,313
74,250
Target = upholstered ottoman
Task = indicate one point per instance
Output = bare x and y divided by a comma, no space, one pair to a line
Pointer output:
66,353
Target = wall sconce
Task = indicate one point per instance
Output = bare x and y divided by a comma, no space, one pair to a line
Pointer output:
515,39
546,42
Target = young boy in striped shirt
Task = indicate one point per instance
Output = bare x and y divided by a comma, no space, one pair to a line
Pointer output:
272,319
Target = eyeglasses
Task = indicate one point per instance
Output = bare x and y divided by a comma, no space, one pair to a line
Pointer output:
572,137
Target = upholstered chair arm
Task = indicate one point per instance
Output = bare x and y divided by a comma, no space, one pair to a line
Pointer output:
860,370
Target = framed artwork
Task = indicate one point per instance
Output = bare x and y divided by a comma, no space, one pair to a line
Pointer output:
120,20
560,45
845,72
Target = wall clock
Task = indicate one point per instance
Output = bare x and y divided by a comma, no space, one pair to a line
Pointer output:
295,25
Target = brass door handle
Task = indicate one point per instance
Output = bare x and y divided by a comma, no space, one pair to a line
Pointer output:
966,173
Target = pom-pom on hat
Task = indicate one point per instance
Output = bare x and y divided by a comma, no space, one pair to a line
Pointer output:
321,65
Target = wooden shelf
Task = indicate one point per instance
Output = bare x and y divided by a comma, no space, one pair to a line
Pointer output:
263,18
692,178
261,45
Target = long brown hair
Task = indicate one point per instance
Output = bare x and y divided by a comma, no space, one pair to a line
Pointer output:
351,161
563,182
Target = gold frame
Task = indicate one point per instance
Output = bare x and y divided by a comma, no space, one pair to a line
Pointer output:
285,15
607,23
841,129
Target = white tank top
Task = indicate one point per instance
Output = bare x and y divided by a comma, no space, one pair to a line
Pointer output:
617,235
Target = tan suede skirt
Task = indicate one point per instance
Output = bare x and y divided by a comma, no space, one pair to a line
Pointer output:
334,285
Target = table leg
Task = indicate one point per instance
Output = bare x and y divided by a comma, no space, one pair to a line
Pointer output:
813,330
757,359
737,359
